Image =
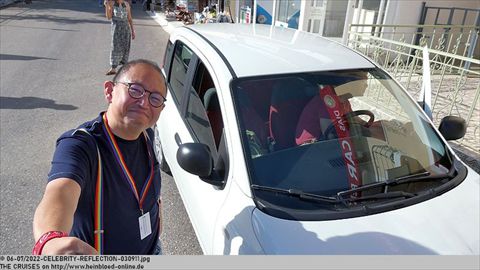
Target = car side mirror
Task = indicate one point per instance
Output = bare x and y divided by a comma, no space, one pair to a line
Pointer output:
197,159
452,127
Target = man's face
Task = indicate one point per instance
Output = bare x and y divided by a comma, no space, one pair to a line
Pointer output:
136,112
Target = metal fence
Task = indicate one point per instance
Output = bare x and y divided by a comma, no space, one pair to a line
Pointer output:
454,64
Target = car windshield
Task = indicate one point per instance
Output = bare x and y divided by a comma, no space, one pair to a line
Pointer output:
325,133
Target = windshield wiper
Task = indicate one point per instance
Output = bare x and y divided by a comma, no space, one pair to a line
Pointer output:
297,193
385,195
419,177
335,199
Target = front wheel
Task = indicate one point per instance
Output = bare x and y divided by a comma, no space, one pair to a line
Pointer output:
159,152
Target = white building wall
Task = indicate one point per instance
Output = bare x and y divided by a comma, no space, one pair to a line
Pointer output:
408,12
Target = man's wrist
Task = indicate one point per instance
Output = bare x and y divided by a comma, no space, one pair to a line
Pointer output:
37,249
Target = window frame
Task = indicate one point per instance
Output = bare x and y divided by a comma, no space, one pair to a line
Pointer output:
179,94
182,98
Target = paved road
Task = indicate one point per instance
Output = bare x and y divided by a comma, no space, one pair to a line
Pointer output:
53,58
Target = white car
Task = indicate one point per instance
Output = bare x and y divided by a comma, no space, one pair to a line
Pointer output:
283,142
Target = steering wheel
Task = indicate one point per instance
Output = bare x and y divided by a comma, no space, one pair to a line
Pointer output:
329,131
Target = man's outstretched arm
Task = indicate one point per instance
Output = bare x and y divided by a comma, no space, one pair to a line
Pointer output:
55,213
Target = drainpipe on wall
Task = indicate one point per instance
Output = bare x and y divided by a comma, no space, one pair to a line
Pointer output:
237,11
274,12
421,21
301,19
387,6
359,8
473,40
381,9
348,21
254,14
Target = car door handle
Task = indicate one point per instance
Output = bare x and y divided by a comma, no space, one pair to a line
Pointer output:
177,139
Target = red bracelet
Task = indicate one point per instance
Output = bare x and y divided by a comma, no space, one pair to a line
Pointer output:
37,249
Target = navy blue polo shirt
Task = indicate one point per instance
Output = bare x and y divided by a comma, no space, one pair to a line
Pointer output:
76,158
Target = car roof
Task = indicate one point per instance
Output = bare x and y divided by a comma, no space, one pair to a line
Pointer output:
257,49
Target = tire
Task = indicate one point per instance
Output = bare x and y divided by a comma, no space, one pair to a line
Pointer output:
159,153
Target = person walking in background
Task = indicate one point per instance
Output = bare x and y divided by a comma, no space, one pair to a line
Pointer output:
103,191
119,12
146,4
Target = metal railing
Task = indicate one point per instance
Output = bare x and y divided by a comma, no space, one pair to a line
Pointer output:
454,65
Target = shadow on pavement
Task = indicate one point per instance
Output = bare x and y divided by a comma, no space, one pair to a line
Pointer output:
33,103
22,57
41,28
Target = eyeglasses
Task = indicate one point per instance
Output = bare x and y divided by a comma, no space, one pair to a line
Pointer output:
137,91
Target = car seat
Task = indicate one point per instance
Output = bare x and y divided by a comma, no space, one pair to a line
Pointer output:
254,125
214,114
289,97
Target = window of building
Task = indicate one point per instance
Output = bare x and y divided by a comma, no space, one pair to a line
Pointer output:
288,12
335,18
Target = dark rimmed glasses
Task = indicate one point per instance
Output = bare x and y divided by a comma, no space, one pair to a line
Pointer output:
137,91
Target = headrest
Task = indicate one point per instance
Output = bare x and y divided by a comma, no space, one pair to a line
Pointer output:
210,99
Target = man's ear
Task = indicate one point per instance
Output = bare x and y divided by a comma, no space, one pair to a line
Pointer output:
108,90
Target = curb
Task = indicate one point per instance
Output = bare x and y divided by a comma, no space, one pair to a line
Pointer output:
159,17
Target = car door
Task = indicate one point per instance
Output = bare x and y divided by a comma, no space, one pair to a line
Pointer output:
186,119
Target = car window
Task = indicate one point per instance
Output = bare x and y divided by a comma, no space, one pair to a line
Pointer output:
181,60
203,110
167,58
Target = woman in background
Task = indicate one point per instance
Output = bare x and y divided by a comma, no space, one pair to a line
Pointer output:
119,12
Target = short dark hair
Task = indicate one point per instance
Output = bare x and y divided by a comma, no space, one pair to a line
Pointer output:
125,68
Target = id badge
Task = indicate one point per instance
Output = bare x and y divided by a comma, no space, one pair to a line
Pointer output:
145,225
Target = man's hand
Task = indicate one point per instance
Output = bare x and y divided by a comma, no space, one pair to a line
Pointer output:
68,246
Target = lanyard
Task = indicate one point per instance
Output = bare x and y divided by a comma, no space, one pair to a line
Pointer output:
123,165
98,218
98,215
336,113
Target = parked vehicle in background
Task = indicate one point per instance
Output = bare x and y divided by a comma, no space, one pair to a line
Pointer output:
283,142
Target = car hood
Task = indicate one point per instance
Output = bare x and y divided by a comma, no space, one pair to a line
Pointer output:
446,224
